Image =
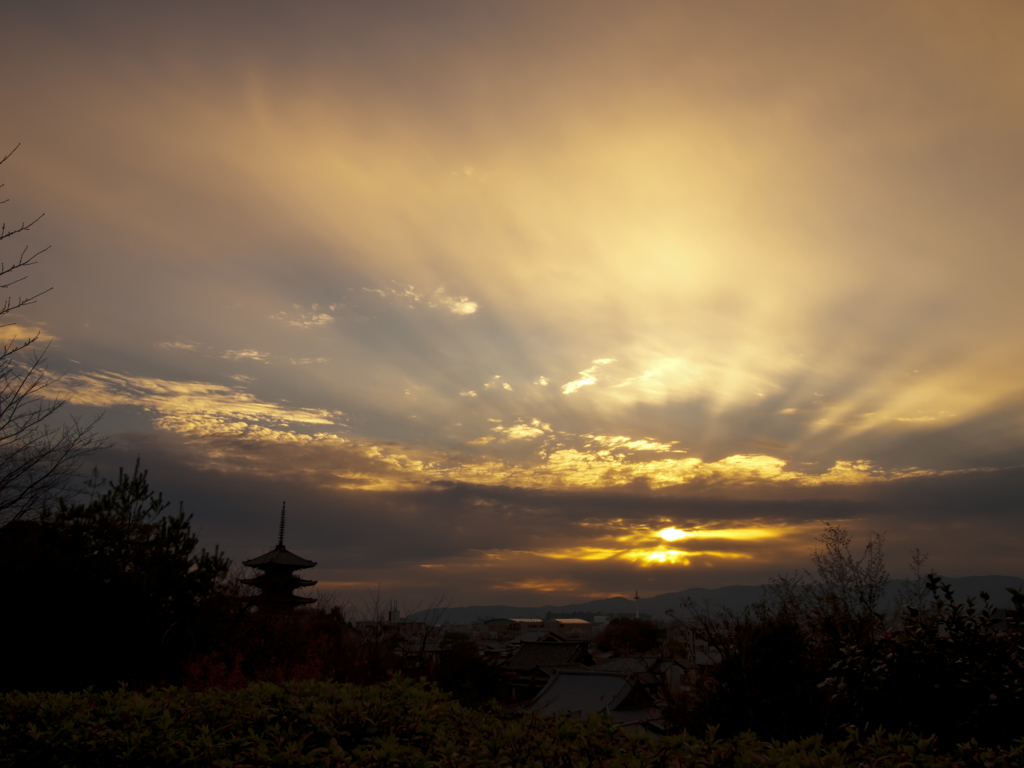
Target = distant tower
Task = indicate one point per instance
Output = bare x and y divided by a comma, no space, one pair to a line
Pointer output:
393,613
278,579
636,599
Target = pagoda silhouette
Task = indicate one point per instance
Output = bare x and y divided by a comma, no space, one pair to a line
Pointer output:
278,580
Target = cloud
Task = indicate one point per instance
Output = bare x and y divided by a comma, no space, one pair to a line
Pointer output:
626,443
523,430
223,421
245,354
316,316
467,393
599,467
936,417
540,585
479,541
12,332
406,295
586,377
541,381
634,379
195,407
645,544
457,305
460,305
188,346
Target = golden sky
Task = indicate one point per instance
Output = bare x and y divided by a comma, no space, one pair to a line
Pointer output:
494,293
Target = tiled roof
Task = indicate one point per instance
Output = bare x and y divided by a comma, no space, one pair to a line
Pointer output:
582,692
634,664
279,556
533,655
539,636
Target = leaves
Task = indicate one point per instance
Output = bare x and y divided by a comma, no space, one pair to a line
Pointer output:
398,723
955,669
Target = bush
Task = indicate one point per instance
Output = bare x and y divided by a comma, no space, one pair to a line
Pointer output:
396,723
765,682
308,644
955,669
462,672
778,650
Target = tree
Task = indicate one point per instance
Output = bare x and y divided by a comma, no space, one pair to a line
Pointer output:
839,602
858,585
766,680
628,636
465,674
39,457
106,591
776,653
913,593
953,668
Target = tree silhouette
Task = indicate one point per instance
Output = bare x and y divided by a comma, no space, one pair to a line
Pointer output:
38,455
626,636
118,591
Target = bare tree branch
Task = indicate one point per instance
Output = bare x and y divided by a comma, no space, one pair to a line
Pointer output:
39,455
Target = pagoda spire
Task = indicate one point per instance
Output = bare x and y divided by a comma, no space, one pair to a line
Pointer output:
277,580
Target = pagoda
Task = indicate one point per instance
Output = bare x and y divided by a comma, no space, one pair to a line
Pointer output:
278,579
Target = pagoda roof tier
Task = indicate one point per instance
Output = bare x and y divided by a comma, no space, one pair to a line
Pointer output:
292,583
279,556
272,602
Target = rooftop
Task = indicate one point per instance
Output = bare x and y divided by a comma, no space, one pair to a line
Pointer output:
533,655
581,692
279,556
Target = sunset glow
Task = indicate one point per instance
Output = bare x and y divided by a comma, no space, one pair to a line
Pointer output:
673,534
538,300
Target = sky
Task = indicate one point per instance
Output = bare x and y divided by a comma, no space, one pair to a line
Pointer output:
533,303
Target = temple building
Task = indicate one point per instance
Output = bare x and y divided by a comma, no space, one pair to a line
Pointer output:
278,580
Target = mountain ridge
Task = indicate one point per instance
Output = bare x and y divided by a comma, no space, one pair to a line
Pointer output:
735,598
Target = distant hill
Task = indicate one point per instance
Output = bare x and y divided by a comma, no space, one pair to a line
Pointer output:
733,598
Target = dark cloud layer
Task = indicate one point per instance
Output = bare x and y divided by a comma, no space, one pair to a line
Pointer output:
481,540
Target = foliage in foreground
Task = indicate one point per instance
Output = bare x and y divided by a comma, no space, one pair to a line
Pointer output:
956,668
126,580
395,723
776,652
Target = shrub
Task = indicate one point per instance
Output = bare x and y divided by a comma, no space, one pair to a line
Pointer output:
398,723
954,669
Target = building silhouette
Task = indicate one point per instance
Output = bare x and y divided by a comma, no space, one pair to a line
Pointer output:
277,580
